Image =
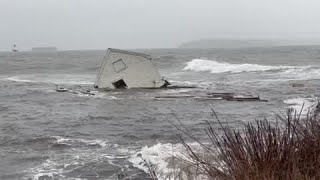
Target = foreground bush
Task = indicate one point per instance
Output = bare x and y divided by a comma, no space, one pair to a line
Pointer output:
286,148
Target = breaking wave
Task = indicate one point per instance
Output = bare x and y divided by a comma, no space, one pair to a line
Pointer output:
72,79
303,105
18,79
76,161
273,72
80,142
167,160
221,67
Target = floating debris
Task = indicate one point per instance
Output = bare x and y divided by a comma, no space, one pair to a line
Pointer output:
297,85
86,92
215,96
60,89
246,98
175,96
180,87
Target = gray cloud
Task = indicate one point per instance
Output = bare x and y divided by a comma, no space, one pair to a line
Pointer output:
99,24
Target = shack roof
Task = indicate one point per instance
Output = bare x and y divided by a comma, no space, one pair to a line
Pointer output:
129,52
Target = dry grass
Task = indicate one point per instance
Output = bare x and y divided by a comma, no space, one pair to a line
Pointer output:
287,148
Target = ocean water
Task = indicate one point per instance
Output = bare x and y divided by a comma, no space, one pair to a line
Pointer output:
45,134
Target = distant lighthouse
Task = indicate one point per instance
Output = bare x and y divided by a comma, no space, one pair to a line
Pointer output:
14,49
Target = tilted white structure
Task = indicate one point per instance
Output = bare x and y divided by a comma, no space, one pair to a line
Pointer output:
125,69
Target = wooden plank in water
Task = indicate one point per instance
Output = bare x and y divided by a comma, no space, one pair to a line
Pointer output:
175,96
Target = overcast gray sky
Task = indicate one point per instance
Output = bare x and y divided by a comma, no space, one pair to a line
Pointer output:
99,24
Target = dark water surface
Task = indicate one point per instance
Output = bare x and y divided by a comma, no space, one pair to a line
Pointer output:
45,134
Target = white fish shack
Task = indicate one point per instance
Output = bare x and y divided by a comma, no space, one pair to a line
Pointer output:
125,69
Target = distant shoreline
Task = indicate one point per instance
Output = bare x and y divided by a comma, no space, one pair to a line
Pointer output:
243,43
180,47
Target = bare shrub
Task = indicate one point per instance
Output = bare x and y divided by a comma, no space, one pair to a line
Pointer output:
285,148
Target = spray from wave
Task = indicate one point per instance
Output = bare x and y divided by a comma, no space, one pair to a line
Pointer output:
221,67
168,161
273,72
303,105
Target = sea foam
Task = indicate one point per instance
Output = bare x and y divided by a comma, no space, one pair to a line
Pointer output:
72,79
68,163
221,67
165,160
274,72
19,79
303,105
79,142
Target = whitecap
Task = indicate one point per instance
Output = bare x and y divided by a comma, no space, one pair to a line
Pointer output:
173,91
74,141
270,72
59,165
165,159
303,105
221,67
72,79
42,175
20,79
184,83
301,73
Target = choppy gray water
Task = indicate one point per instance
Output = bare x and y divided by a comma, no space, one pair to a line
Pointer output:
45,134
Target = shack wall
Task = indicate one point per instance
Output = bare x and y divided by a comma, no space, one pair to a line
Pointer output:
140,71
